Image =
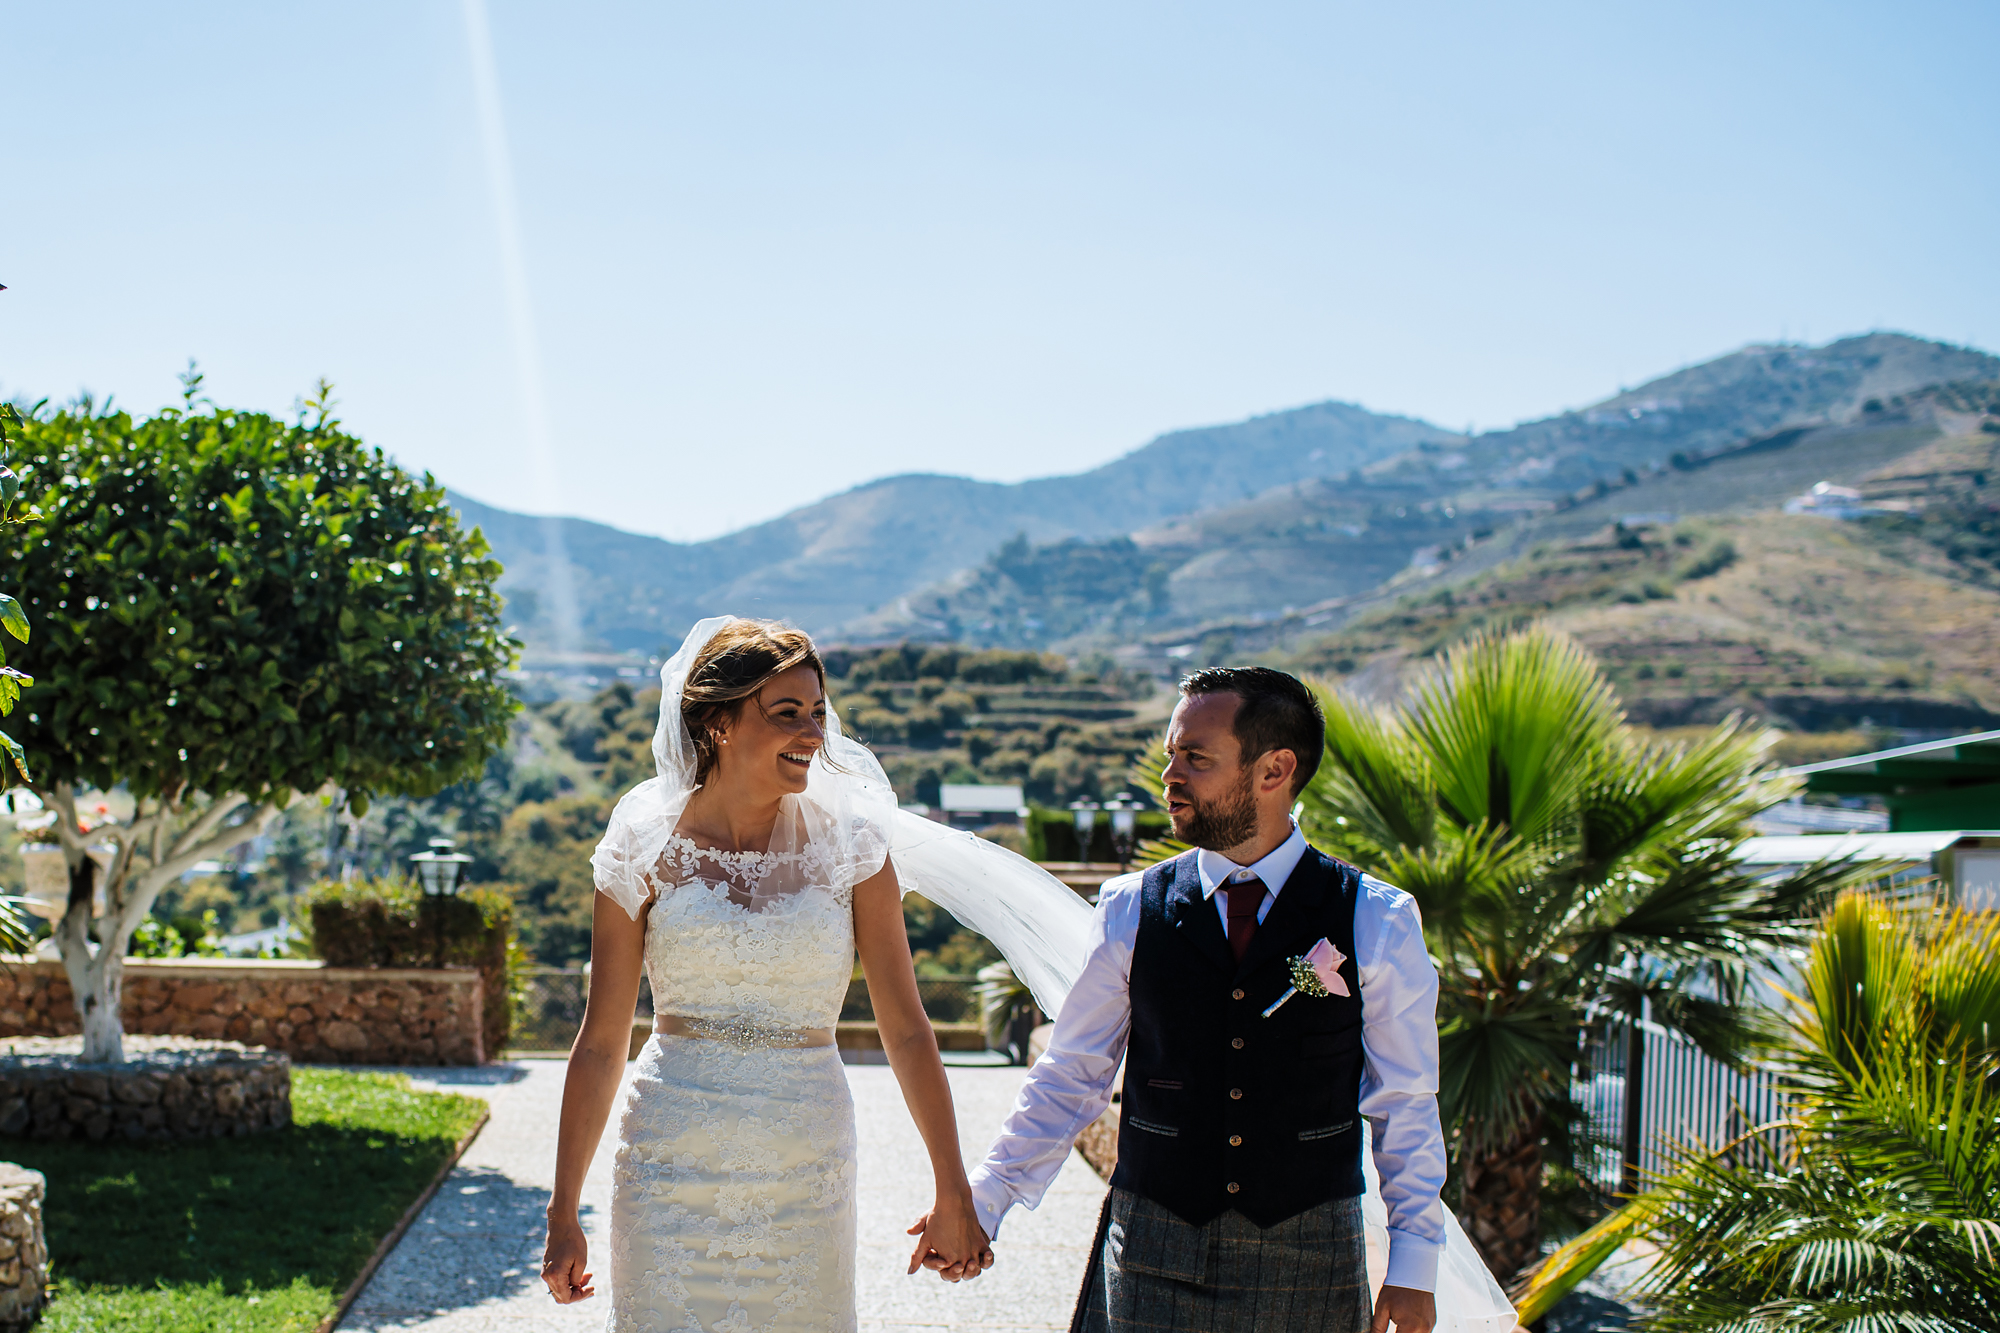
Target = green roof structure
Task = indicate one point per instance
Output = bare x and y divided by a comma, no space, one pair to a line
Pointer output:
1949,784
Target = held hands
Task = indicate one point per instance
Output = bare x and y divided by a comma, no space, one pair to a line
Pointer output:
1410,1310
950,1242
563,1260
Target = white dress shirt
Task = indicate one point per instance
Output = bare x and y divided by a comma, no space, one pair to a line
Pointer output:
1070,1086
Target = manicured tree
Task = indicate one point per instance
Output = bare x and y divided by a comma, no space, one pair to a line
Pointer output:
1562,864
231,611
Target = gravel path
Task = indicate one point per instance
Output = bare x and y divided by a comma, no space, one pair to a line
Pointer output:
470,1263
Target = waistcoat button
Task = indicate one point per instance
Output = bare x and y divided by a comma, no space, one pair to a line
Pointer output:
1233,1187
1236,995
1236,1094
1237,1042
1236,1140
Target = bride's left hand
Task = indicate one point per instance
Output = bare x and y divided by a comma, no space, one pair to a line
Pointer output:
950,1242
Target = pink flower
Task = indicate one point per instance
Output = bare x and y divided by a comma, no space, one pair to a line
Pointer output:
1326,961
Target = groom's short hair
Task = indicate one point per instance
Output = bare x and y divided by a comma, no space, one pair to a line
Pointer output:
1277,712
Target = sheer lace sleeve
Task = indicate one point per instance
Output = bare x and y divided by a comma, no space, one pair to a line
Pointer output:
624,862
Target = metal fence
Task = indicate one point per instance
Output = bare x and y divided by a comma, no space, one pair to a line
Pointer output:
1642,1098
946,1000
553,1000
552,1007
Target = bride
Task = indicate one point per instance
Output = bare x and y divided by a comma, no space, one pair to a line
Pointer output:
743,879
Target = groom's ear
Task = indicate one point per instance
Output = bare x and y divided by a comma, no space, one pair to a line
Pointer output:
1274,770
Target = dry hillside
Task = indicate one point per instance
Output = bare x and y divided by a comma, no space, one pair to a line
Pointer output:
1889,620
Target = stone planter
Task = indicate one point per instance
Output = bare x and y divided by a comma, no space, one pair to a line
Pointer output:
168,1088
24,1255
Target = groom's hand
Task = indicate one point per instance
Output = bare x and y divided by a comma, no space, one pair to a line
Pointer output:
1410,1310
950,1244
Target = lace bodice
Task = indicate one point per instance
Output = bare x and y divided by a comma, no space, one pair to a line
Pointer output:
750,936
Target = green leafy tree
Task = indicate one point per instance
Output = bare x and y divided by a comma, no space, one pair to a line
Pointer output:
231,611
1874,1202
1563,864
13,619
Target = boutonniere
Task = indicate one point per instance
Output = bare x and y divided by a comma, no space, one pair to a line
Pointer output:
1317,973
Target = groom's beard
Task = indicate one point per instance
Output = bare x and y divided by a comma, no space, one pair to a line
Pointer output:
1229,821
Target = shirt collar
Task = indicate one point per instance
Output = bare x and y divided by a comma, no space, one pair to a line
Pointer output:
1274,868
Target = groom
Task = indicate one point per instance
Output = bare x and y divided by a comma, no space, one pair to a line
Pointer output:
1236,1203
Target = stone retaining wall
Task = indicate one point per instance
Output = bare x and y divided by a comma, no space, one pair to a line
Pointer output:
314,1013
24,1255
168,1088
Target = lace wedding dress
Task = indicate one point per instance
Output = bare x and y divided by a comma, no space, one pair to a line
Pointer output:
733,1195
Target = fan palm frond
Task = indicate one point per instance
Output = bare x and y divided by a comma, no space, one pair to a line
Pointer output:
1650,801
1501,1061
1461,882
1511,723
1374,780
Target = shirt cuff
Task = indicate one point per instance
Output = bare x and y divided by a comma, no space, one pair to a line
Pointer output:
989,1202
1413,1261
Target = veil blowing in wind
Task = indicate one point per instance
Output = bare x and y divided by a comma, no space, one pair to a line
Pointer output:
847,819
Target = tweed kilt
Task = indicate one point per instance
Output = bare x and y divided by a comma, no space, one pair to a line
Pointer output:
1152,1272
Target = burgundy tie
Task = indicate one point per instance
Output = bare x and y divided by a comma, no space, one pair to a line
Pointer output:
1245,897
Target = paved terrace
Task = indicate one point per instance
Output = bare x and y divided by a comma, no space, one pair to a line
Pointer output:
471,1262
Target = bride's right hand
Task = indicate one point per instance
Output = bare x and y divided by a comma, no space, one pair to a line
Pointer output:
564,1261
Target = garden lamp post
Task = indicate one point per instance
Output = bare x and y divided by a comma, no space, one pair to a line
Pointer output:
1124,826
1085,815
437,871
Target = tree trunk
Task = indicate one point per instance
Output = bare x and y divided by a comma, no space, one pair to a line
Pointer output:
1501,1202
96,973
96,968
103,1023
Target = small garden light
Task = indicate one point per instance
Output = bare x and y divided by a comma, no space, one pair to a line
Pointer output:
1124,825
439,868
1085,814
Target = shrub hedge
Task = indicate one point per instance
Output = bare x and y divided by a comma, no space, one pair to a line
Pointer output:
390,923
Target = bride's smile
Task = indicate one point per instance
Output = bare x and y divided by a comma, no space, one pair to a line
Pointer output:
759,750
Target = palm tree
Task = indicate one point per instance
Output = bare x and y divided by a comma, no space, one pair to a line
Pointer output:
1564,865
1875,1202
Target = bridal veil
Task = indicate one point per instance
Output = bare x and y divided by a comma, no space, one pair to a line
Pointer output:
844,825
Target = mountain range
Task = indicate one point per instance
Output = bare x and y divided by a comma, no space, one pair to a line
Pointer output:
831,563
1272,521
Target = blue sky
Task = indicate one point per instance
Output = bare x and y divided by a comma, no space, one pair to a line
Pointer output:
770,251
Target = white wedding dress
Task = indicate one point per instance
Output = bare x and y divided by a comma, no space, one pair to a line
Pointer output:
732,1207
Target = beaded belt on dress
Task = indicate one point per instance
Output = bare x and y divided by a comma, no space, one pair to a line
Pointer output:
741,1031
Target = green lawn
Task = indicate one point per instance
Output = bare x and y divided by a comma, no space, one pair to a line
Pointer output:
253,1235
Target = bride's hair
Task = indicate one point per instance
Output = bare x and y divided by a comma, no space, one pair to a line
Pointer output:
736,663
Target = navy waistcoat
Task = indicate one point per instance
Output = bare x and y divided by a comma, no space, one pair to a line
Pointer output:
1224,1108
